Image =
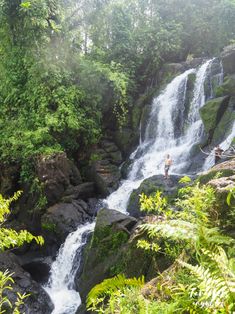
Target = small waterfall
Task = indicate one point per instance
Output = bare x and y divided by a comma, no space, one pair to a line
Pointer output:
61,282
161,137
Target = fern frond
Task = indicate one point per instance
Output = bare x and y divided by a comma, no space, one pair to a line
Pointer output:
110,286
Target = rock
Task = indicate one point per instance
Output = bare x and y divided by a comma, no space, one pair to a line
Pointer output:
228,59
222,170
212,112
169,188
126,140
113,250
38,302
106,176
144,119
227,88
61,219
125,168
82,191
57,173
9,177
225,125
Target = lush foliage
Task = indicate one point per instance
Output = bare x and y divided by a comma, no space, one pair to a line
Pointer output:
10,238
202,276
66,65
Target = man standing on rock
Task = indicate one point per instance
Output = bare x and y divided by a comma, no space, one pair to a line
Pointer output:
168,163
218,153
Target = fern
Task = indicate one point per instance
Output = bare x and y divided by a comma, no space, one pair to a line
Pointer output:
215,286
108,287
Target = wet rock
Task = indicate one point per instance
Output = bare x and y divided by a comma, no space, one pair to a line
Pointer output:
212,112
106,176
228,59
65,217
82,191
227,88
126,139
168,187
113,250
57,173
38,302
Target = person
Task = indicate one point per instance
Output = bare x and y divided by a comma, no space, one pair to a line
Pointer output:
168,163
218,153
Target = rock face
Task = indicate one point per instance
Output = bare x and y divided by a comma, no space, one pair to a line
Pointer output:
56,173
113,250
61,219
228,59
212,112
38,302
104,169
168,187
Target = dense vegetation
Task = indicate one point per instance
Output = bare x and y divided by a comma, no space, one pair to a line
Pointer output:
65,64
10,238
201,278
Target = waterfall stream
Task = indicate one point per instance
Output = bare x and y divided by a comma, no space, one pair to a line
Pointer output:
174,128
60,286
171,130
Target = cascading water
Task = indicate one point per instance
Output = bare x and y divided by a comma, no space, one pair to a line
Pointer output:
61,282
174,127
169,131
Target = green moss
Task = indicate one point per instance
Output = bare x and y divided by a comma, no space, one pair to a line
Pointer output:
227,88
49,226
212,111
107,241
213,174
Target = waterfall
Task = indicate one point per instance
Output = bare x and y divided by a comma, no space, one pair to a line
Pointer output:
174,127
61,282
169,131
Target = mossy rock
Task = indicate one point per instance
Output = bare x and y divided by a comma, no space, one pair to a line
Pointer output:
212,112
224,127
149,186
227,88
126,140
213,174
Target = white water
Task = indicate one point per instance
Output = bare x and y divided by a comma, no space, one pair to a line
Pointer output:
168,132
61,282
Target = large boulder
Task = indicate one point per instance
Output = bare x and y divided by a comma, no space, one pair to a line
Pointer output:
149,186
38,301
113,250
67,216
56,172
228,59
112,231
222,170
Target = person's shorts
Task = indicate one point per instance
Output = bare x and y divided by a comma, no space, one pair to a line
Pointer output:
167,167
